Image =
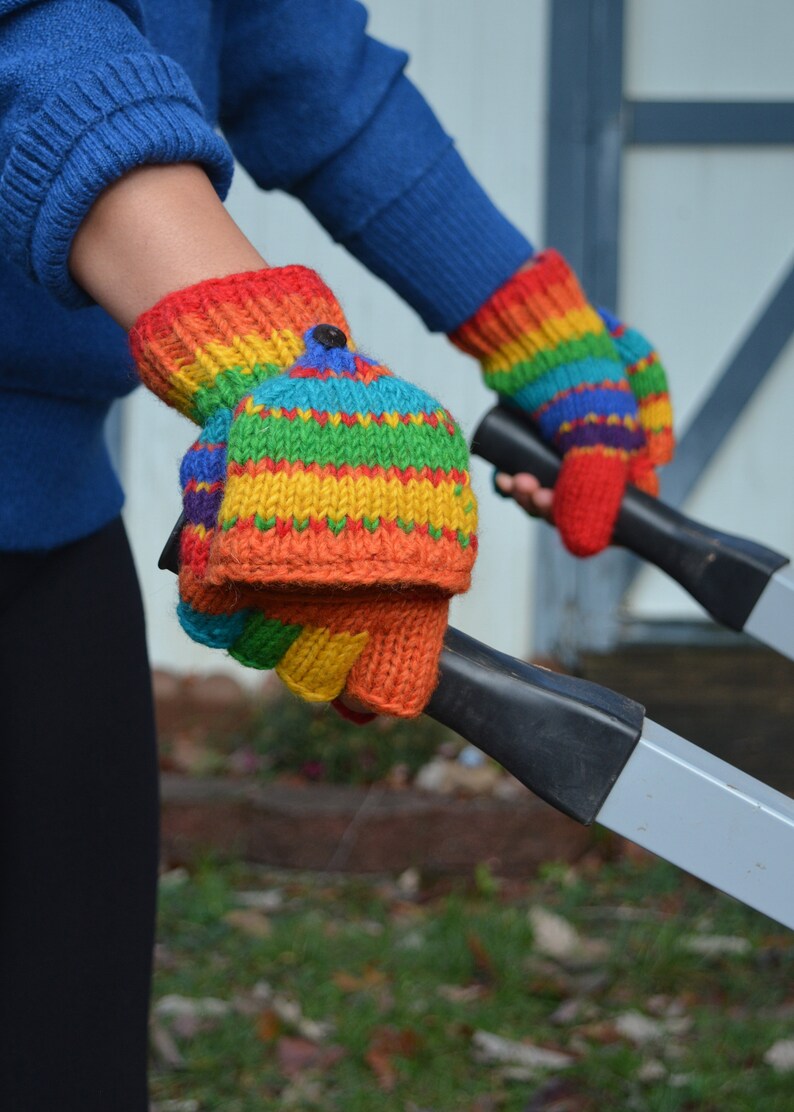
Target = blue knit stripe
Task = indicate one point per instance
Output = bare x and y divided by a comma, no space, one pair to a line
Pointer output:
218,631
386,395
568,409
589,371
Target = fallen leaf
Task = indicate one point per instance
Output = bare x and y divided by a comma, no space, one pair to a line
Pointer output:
290,1013
780,1056
176,1106
268,1026
484,969
270,899
359,982
715,945
249,921
489,1048
196,1007
164,1046
556,938
409,883
576,1009
651,1070
638,1028
296,1055
305,1090
462,994
558,1094
602,1032
188,1026
386,1044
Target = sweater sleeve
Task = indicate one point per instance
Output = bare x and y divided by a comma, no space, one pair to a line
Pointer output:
84,98
315,106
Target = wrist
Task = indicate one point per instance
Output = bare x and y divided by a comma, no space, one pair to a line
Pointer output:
157,229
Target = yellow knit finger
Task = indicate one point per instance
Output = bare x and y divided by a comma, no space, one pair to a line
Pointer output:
316,665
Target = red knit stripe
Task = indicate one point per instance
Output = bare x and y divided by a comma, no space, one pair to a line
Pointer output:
404,475
350,419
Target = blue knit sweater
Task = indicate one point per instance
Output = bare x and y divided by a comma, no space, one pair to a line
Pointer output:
308,103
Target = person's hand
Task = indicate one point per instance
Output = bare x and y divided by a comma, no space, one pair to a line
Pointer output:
547,351
528,492
329,517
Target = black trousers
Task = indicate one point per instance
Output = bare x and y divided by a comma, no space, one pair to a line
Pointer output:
78,830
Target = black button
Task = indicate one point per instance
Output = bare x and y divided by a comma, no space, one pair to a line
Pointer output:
329,336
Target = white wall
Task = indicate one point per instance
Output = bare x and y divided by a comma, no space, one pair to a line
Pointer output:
706,236
471,67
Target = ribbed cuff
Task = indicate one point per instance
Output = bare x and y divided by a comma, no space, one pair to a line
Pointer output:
135,110
203,348
443,246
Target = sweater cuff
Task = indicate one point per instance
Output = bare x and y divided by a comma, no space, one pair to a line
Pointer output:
135,110
443,246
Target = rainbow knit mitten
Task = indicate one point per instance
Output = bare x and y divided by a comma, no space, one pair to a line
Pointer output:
329,510
545,349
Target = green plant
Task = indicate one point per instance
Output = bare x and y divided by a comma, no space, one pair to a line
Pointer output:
318,744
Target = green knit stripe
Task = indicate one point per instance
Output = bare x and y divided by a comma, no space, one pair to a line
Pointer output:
534,366
253,438
263,641
229,387
648,382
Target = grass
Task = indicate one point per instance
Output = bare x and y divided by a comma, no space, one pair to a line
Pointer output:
403,975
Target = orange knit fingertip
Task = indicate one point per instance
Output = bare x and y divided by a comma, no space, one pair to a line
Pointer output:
398,671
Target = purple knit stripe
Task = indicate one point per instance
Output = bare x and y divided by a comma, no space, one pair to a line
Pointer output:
607,436
202,506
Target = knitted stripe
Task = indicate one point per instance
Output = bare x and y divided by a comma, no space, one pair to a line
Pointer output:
503,352
336,439
614,403
648,381
356,497
405,475
575,359
202,348
263,641
359,385
216,631
284,526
